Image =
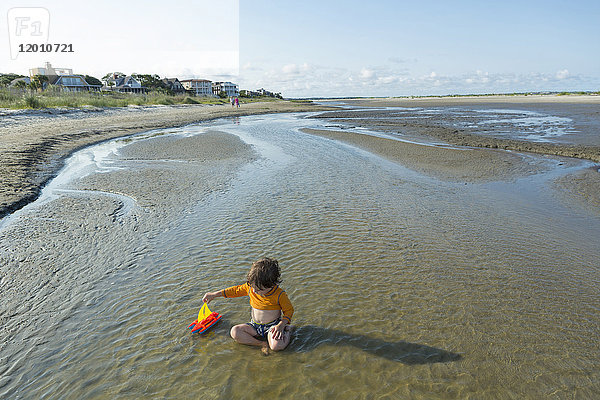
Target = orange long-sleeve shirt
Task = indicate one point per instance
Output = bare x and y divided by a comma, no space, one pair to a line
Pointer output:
275,299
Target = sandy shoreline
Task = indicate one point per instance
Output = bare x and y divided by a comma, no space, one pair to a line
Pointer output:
470,165
443,129
473,100
476,164
98,285
51,262
33,145
499,162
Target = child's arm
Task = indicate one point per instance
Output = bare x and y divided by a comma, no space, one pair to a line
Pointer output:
287,310
209,296
278,329
234,291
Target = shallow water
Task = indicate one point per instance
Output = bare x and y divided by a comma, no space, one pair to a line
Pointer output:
404,286
563,124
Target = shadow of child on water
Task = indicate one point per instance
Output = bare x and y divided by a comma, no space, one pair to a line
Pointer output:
309,337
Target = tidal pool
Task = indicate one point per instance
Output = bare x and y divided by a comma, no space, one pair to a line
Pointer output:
404,286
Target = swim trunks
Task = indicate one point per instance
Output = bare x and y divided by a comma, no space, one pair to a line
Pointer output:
262,330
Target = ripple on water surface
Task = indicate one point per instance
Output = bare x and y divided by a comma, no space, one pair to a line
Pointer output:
403,286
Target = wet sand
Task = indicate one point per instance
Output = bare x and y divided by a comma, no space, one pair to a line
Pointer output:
471,294
506,156
71,244
582,187
473,100
34,144
441,129
469,165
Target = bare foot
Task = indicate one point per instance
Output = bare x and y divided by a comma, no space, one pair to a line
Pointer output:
264,350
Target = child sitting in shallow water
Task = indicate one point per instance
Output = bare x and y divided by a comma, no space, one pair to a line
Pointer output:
271,308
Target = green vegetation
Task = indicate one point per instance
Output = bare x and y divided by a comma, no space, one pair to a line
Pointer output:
573,93
31,102
52,97
246,94
92,81
258,98
6,79
580,93
152,82
302,101
38,93
38,81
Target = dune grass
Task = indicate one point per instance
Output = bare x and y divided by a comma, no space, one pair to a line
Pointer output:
54,99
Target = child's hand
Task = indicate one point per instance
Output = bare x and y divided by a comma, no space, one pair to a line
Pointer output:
208,297
277,331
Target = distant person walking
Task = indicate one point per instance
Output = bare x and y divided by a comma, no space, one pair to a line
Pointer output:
237,102
232,101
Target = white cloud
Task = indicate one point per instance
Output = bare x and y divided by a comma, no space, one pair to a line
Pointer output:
293,69
562,74
386,80
290,69
366,73
305,80
479,77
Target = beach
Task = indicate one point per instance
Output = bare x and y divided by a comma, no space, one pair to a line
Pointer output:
34,143
451,269
458,164
586,107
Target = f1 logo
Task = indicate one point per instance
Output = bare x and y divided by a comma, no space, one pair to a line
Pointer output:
27,25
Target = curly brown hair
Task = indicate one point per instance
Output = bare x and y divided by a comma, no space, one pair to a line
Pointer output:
265,273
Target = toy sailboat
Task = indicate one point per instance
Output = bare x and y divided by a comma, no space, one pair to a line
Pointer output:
205,320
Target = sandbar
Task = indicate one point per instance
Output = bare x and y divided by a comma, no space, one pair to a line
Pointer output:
52,259
469,165
34,144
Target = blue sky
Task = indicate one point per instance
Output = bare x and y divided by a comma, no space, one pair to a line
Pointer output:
330,48
391,48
